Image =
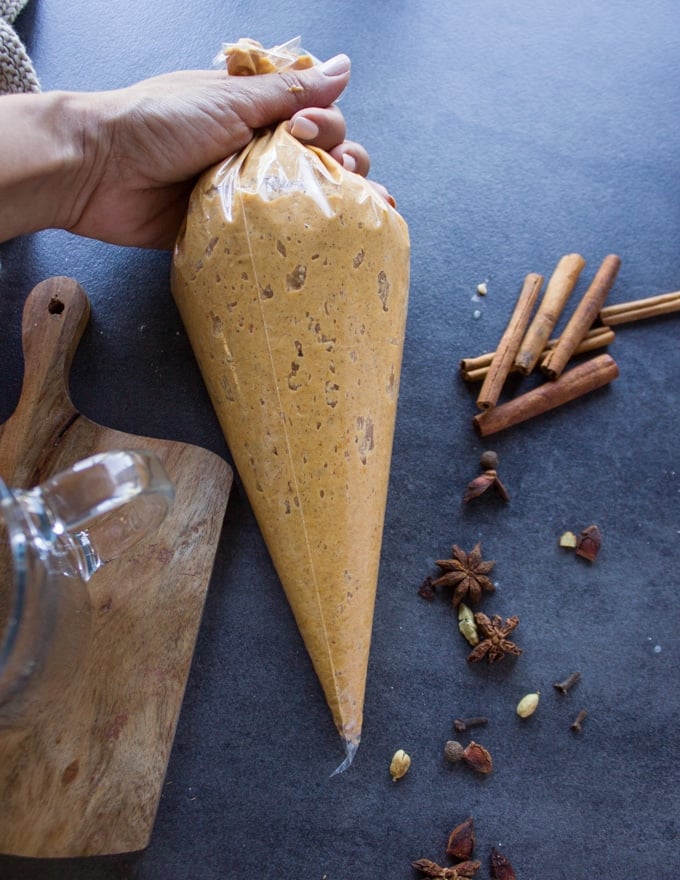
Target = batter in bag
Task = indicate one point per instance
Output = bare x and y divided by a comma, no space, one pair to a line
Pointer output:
291,276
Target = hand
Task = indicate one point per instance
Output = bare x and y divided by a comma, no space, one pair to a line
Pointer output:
153,139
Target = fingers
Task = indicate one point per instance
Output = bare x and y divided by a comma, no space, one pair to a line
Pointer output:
321,127
324,127
380,189
353,156
305,98
267,99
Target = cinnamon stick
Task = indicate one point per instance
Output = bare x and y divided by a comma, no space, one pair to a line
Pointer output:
581,320
475,369
510,341
586,377
558,291
636,310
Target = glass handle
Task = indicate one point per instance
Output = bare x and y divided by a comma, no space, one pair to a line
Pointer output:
99,508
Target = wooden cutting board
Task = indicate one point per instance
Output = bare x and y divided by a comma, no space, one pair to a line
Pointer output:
86,780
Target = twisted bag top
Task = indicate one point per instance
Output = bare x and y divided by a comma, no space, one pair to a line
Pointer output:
16,69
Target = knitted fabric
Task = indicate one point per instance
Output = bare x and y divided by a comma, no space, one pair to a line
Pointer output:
17,73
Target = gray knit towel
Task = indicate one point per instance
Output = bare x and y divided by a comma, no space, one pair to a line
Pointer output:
17,73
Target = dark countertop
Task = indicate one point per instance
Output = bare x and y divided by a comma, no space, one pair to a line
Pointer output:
510,134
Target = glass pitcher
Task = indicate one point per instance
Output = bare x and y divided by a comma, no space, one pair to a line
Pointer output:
53,538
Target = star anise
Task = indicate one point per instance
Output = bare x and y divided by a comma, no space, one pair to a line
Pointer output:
457,872
467,572
495,644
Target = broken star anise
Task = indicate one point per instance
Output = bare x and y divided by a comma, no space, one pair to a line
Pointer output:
487,479
467,572
457,872
500,867
495,644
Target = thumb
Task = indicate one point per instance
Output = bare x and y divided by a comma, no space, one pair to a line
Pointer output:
273,97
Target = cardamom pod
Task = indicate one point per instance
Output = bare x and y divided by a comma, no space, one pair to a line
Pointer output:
467,625
528,705
399,765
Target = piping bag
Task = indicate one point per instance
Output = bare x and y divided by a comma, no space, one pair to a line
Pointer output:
291,276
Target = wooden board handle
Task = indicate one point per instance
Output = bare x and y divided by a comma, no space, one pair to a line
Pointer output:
55,314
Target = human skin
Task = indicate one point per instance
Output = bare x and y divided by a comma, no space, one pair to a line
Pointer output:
120,165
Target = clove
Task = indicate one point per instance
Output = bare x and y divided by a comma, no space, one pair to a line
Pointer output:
565,686
578,721
460,725
426,590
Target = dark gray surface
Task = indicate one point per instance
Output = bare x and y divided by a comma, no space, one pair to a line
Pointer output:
510,134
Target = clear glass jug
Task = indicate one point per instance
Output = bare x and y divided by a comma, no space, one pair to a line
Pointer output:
53,538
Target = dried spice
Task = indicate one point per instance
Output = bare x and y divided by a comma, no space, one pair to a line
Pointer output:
453,751
460,725
467,625
478,758
500,867
496,643
528,705
474,755
467,573
461,843
426,590
565,686
586,545
399,765
589,543
576,724
486,480
432,869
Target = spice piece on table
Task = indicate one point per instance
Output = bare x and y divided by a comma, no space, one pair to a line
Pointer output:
467,572
558,291
462,724
579,380
461,843
467,624
426,590
477,757
500,867
528,705
589,543
473,754
576,724
487,479
510,342
432,869
636,310
453,751
565,686
399,764
474,369
496,643
568,540
583,317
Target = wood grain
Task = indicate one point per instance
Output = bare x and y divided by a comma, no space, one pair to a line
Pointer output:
85,778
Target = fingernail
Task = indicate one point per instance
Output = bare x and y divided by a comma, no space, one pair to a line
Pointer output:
304,129
336,65
349,163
